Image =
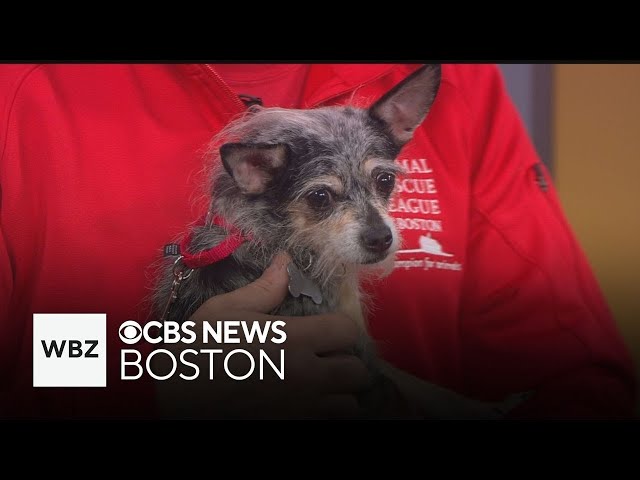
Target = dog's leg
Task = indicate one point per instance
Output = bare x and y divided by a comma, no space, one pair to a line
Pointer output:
383,399
349,301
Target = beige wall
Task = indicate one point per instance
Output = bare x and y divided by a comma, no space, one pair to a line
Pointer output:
597,163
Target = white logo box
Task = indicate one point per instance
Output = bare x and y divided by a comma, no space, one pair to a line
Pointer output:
75,360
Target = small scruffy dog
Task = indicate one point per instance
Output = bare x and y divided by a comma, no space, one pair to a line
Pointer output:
316,184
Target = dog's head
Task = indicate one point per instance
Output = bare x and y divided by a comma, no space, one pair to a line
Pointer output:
324,176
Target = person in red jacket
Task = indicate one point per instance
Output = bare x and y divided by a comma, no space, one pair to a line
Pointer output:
490,295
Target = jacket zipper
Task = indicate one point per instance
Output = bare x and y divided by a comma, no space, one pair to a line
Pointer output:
225,88
241,106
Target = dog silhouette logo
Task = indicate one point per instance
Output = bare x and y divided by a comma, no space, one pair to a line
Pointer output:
428,245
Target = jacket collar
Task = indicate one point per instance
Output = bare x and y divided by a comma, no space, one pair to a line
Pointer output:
325,81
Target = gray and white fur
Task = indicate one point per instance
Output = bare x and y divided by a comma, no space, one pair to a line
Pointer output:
315,183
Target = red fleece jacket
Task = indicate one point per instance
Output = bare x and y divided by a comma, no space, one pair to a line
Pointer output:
490,295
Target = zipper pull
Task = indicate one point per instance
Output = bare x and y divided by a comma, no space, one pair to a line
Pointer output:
250,100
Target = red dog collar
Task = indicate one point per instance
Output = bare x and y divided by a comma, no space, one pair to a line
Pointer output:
213,254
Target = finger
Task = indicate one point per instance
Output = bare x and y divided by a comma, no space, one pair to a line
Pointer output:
261,295
336,406
324,333
343,374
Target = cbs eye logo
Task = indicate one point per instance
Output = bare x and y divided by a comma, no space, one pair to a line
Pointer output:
130,332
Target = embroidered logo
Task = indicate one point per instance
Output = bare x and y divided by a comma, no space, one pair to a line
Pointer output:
418,213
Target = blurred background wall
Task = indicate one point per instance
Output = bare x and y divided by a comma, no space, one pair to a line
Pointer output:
585,123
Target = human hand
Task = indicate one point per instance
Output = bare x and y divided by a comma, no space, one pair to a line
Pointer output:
318,382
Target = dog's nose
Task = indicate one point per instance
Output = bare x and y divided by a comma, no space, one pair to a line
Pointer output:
377,239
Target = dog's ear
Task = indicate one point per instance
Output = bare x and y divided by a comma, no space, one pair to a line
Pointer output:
253,165
403,108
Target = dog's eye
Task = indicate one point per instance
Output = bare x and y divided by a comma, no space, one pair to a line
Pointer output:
385,182
320,198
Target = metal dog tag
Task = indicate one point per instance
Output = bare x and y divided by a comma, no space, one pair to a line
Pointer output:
299,284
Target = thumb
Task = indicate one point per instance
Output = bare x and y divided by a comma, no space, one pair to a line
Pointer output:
262,295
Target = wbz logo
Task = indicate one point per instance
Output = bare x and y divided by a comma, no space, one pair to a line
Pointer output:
69,350
75,348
